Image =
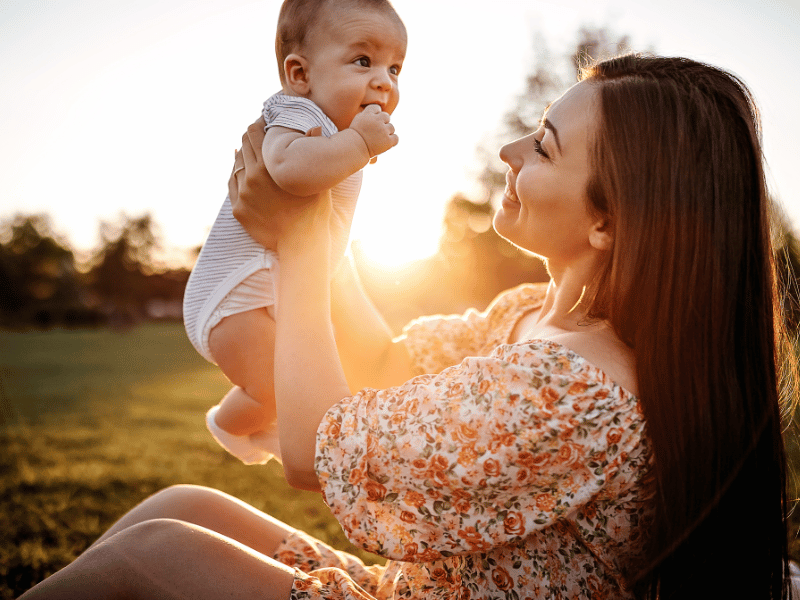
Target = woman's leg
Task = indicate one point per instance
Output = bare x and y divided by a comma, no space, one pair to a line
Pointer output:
168,559
211,509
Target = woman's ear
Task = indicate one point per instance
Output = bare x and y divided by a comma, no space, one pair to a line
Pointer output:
295,71
601,236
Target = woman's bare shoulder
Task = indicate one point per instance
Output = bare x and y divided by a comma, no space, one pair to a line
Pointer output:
603,349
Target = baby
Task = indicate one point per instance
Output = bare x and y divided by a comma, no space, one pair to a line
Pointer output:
339,62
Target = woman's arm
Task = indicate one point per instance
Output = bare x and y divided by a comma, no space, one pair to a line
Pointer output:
370,356
308,375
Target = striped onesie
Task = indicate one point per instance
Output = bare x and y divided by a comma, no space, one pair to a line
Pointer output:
233,272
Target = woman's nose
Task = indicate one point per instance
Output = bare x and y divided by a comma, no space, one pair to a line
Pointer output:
509,154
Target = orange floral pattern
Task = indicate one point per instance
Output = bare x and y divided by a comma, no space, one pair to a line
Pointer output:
501,471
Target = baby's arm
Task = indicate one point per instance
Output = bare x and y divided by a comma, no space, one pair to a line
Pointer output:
303,165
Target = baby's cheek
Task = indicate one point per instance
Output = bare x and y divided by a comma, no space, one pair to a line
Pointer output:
393,103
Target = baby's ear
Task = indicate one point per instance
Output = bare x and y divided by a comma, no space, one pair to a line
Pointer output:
295,71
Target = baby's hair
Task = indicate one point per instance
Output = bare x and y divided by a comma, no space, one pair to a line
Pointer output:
298,18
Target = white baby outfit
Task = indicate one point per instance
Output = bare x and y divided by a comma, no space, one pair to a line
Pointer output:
233,272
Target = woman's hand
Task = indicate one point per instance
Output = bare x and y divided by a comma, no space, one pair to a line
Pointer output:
263,208
266,211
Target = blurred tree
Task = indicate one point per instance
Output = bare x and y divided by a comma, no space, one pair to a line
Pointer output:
41,285
40,282
117,275
124,276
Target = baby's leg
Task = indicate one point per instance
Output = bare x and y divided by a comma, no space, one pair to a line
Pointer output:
243,346
239,414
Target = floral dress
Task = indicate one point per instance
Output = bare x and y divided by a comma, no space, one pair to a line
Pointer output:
501,471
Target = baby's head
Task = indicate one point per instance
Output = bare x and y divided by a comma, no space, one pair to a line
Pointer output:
342,54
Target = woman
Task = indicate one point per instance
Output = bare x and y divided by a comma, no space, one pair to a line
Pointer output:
614,434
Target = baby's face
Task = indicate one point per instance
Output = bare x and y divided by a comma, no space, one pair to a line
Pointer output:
355,61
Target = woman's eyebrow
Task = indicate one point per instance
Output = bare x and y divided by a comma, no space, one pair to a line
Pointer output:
549,125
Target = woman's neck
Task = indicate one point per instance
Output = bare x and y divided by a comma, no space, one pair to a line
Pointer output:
562,307
562,319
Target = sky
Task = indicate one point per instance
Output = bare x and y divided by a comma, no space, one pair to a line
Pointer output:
112,106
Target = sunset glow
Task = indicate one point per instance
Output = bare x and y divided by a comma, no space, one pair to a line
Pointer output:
149,123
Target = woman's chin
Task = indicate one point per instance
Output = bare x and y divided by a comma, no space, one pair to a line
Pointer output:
506,215
500,224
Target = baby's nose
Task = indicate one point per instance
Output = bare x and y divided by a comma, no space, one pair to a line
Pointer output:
383,81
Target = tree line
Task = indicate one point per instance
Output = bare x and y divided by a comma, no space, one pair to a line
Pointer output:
42,284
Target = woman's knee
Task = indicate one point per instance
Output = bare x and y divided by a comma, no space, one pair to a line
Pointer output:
157,541
186,502
151,559
219,512
167,558
147,534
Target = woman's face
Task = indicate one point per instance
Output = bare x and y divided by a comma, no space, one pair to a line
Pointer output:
544,207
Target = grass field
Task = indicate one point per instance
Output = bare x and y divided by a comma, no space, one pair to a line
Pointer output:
94,421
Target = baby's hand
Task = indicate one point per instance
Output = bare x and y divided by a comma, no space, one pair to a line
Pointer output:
373,125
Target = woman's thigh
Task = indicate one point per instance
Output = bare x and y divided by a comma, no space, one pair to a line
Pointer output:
211,509
168,559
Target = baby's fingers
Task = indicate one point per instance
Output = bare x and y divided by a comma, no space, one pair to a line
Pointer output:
373,109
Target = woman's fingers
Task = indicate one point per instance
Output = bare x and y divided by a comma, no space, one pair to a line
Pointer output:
264,209
246,160
238,161
251,144
233,184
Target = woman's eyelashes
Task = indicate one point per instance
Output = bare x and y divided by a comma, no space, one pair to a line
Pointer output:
539,149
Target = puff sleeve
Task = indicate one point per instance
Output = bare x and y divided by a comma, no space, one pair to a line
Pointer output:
482,454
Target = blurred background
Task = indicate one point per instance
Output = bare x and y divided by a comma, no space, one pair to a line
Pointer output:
118,123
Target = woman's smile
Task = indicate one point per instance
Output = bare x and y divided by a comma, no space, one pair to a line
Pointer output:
509,195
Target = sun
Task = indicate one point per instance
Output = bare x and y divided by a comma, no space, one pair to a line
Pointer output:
393,252
394,232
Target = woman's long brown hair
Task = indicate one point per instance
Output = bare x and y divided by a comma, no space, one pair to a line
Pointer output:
690,287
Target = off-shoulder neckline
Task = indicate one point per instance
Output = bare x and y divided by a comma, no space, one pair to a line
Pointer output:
611,383
540,288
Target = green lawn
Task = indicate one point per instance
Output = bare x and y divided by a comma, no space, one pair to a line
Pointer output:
94,421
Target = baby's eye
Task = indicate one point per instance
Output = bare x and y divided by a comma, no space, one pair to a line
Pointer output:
394,70
362,61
